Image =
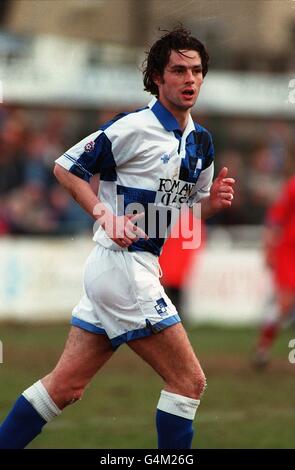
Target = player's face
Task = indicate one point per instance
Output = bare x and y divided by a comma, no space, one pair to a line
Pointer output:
181,81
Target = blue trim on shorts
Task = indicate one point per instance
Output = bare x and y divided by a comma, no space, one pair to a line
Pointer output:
87,326
146,331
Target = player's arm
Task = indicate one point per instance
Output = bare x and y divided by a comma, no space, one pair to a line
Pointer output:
94,183
120,229
79,189
221,195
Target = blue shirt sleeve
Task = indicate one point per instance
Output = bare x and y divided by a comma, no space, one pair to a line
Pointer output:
90,156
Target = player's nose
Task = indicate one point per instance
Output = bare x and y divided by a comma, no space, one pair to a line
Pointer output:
189,77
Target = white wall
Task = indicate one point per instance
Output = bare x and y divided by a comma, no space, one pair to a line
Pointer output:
42,280
228,286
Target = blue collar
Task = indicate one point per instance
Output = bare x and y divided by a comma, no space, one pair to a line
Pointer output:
166,118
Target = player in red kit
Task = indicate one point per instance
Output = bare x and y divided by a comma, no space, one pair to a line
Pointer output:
279,249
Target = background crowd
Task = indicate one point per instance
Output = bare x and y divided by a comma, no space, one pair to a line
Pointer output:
259,153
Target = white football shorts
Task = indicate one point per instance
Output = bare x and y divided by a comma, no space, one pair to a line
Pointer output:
123,297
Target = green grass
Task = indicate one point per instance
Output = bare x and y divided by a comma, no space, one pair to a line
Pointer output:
240,408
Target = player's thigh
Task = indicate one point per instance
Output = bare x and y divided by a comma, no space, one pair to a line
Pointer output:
170,354
84,354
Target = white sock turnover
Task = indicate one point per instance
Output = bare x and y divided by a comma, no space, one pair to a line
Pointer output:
178,405
38,396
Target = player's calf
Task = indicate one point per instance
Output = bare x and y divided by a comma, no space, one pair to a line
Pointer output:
31,411
37,406
174,420
176,410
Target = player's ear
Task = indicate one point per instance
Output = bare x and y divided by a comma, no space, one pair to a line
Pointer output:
157,78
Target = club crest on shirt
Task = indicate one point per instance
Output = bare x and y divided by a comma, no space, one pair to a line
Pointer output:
89,146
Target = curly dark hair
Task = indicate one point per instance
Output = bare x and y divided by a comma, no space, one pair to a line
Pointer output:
158,56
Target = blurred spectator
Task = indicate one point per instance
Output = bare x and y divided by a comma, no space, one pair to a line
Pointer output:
233,160
69,217
27,211
263,182
12,132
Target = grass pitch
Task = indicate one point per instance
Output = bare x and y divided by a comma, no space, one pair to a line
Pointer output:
240,408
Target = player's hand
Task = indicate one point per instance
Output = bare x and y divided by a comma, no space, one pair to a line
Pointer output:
222,192
121,229
124,231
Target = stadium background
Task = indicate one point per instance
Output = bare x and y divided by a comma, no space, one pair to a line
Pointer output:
68,66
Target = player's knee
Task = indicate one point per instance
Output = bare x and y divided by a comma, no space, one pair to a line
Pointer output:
72,393
65,393
196,384
191,385
200,384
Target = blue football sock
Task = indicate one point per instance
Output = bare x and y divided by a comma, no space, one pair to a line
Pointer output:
21,425
174,432
174,419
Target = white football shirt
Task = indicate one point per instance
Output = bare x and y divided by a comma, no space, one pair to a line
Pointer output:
145,163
